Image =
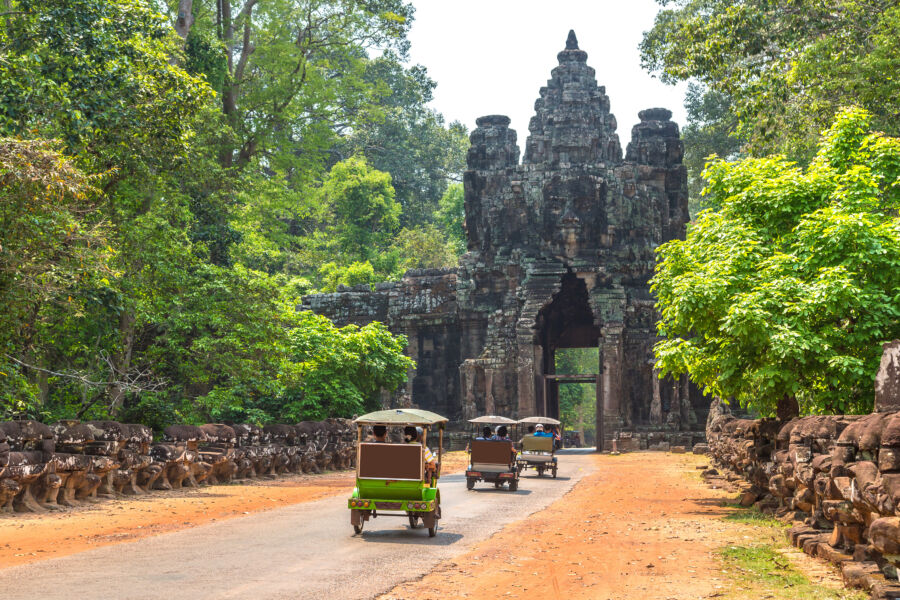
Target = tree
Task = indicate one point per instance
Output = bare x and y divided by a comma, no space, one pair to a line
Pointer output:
786,66
786,293
452,215
409,140
363,211
711,131
51,244
293,71
338,372
577,401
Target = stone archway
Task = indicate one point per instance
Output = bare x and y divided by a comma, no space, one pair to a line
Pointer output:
566,321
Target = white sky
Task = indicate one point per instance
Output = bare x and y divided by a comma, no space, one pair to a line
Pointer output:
492,56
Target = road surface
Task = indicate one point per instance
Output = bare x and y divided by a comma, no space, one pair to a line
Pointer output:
301,551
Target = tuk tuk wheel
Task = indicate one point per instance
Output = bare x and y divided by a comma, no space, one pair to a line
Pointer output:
413,521
540,471
357,529
554,472
470,483
432,531
513,485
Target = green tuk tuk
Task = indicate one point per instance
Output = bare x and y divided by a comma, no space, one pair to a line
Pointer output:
392,479
537,452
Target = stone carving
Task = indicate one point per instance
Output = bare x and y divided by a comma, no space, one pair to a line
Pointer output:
560,252
836,476
63,465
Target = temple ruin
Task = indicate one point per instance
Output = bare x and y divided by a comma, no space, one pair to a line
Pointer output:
560,254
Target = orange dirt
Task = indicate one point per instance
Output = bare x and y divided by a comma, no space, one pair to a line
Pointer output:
26,538
642,526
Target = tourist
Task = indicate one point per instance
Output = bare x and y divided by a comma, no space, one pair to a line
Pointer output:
379,432
539,431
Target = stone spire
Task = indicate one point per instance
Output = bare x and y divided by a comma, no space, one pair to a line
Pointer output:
572,124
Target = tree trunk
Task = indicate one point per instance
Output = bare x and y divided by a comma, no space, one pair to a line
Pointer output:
185,18
121,362
788,408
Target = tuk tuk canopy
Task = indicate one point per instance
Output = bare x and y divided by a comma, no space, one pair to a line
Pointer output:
539,420
402,416
493,420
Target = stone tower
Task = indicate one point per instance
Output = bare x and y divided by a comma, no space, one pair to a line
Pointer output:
560,254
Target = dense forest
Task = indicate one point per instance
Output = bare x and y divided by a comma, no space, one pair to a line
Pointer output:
175,175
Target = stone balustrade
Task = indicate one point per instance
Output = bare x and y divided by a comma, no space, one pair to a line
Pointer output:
68,463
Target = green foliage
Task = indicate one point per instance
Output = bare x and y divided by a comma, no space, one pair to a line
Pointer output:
339,372
422,248
791,288
577,401
409,140
451,216
51,248
787,67
152,258
711,131
354,274
362,208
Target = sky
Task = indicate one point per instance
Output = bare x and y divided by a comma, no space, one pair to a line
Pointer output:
493,56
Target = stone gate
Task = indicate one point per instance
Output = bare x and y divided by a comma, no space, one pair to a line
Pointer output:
560,254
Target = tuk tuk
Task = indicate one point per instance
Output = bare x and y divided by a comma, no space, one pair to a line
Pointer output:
492,460
391,478
537,452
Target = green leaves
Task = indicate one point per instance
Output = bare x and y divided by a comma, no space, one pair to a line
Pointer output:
339,372
788,290
787,67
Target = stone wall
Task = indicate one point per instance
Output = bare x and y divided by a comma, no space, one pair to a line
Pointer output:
67,463
561,248
836,477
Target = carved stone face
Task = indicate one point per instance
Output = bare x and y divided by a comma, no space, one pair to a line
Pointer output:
574,214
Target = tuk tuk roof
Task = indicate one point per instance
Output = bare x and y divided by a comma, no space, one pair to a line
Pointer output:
493,419
401,416
541,420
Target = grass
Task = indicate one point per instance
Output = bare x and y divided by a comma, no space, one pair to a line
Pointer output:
752,516
760,571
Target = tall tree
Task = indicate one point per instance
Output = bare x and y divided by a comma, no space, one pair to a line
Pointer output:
784,296
787,66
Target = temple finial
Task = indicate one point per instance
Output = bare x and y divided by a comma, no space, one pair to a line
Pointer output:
572,41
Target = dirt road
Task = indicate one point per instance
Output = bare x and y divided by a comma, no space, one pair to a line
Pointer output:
301,551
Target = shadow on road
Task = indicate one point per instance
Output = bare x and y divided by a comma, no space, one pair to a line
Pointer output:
407,536
544,477
493,490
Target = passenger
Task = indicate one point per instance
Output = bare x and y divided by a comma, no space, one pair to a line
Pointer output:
530,432
416,435
379,432
485,433
501,434
539,431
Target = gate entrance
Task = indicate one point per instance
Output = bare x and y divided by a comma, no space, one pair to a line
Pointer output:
553,381
567,322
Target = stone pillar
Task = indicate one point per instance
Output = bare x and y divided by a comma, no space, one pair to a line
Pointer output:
887,381
656,402
489,392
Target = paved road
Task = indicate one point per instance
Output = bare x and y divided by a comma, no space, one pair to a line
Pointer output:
302,551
